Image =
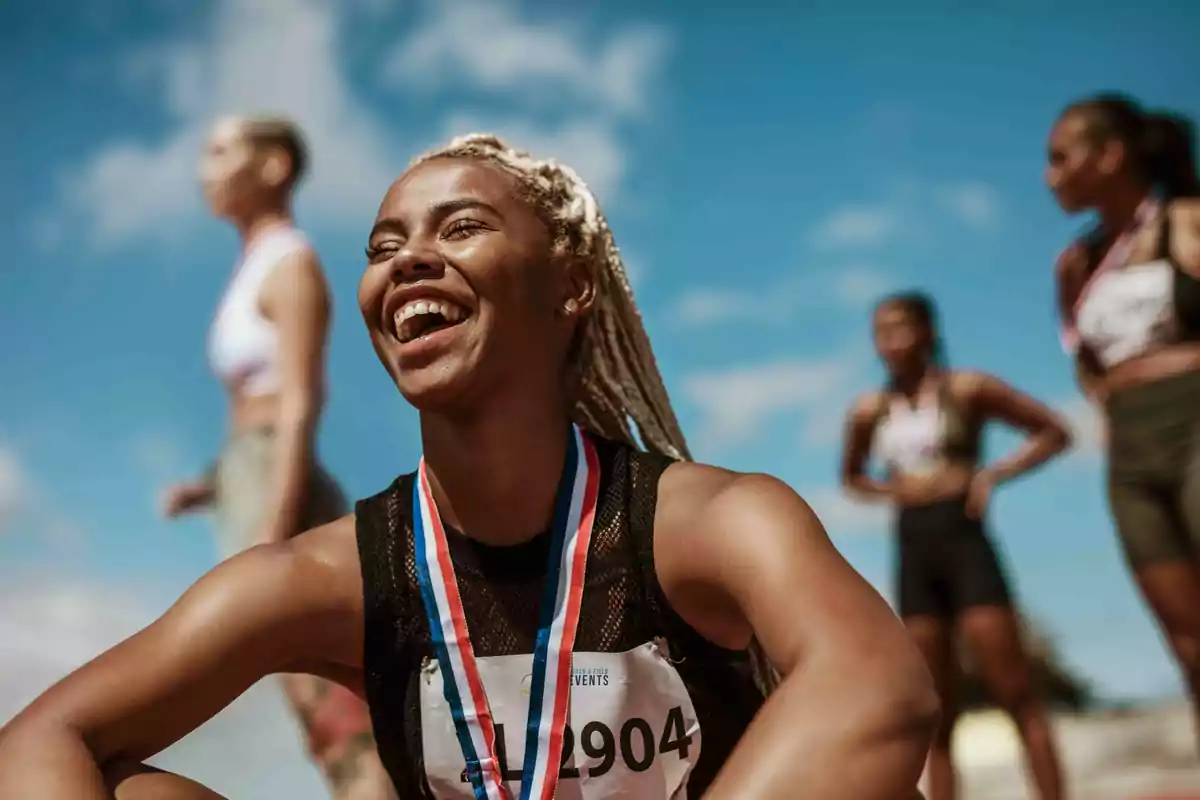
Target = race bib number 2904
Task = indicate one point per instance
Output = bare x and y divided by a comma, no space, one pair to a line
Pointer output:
632,732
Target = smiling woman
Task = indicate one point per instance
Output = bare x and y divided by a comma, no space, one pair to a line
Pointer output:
542,603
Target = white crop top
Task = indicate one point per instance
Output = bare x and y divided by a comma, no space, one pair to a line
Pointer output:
1123,311
243,346
908,439
1126,311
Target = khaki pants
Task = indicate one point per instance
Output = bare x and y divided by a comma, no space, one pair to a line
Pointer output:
336,724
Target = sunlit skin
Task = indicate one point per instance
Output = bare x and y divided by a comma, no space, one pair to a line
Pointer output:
905,345
736,554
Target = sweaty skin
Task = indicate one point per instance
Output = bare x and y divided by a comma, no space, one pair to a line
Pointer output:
737,554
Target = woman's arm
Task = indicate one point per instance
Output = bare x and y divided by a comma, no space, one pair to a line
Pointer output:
1070,277
859,430
1048,435
742,555
296,299
272,609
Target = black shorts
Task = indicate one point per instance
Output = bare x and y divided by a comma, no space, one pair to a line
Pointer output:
946,564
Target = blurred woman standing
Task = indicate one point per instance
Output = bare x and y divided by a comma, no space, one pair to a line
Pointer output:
267,345
1129,302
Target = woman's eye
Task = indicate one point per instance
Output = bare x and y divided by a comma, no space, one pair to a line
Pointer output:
377,252
462,228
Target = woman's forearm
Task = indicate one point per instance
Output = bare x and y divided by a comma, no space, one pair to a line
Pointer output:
48,762
864,487
1037,450
838,734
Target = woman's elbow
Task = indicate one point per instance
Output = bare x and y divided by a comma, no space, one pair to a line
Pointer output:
904,699
916,708
1059,438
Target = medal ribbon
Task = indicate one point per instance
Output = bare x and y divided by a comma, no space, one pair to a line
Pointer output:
549,695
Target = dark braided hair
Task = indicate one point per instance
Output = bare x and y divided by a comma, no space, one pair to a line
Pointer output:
921,306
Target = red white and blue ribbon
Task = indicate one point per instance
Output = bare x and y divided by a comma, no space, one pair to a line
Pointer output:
550,690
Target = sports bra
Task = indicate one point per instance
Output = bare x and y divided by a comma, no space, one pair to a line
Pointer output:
1123,312
243,347
921,438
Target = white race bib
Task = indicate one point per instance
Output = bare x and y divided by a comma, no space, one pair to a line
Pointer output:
632,729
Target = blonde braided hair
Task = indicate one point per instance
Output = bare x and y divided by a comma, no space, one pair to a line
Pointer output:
619,381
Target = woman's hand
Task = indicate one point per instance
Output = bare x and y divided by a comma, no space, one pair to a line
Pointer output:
187,496
979,493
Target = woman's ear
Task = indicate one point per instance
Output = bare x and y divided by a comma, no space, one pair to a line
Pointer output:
276,167
579,290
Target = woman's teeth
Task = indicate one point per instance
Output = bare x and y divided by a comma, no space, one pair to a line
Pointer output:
419,317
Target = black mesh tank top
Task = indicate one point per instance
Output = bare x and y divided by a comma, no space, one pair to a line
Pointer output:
501,587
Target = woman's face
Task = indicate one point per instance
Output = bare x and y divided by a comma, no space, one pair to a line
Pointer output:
461,290
1078,170
901,341
230,173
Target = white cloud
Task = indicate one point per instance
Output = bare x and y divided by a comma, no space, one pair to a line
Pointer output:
858,287
563,98
973,203
14,487
492,47
705,306
48,628
856,226
591,147
27,512
159,454
843,516
253,58
910,205
283,58
852,287
735,403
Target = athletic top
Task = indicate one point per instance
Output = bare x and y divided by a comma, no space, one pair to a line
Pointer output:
920,438
646,688
1125,311
243,347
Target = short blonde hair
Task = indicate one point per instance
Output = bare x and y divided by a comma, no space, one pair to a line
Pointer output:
281,133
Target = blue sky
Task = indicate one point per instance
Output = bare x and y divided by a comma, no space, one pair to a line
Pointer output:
767,175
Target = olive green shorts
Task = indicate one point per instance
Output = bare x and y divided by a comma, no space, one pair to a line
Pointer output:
1154,469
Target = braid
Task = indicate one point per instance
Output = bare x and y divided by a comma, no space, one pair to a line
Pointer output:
619,383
